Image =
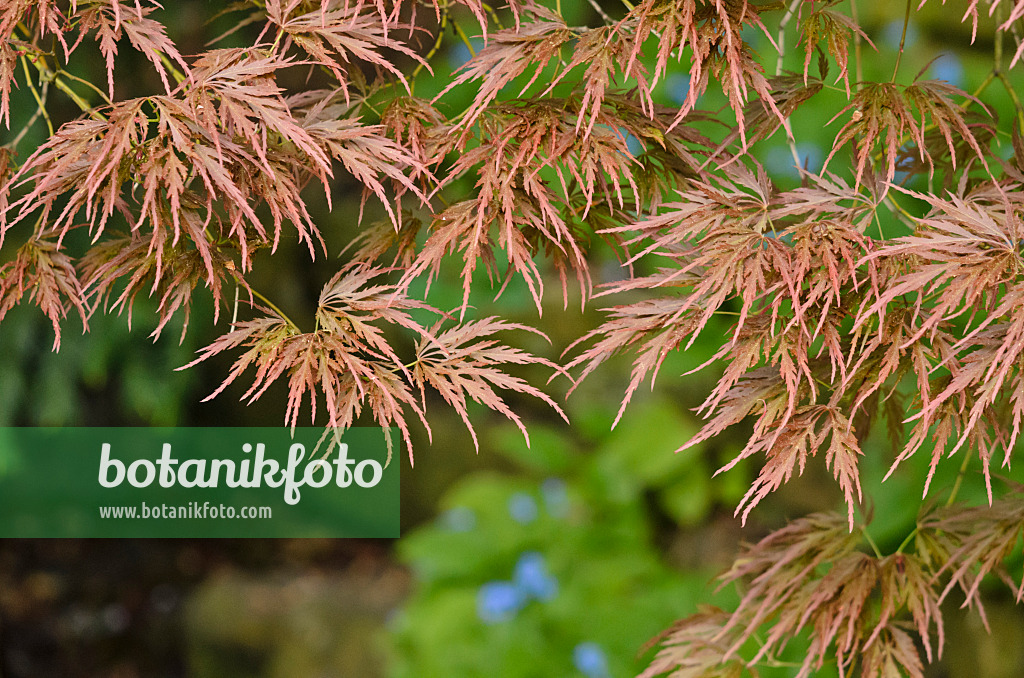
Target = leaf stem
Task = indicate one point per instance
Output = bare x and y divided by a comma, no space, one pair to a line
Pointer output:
178,76
96,89
274,308
906,540
959,480
870,541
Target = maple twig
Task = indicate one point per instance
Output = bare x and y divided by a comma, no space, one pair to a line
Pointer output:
40,100
959,480
234,308
858,62
898,209
85,82
903,41
31,121
465,38
178,76
781,40
49,75
906,540
998,72
430,54
494,15
600,12
77,98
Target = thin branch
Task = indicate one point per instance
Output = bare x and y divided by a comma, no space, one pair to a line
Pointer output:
857,40
600,12
40,100
39,112
781,41
433,51
903,41
998,72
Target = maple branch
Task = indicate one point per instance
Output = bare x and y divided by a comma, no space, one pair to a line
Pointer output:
998,72
103,95
47,74
494,15
234,308
857,60
465,38
781,39
898,209
178,76
433,51
600,12
908,539
40,100
39,112
903,41
959,479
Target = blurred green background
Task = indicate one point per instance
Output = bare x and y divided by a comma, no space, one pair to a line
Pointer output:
561,559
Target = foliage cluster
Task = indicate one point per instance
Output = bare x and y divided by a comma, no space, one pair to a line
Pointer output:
885,287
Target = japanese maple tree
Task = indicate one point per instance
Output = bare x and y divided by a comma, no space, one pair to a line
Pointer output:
888,286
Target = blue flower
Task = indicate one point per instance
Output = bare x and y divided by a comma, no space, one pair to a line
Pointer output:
751,35
678,87
893,33
523,508
459,54
810,156
458,519
634,146
947,67
532,577
499,601
556,496
591,660
779,160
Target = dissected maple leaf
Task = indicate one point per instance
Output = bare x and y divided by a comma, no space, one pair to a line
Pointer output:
809,579
712,32
831,29
464,362
112,20
48,275
891,115
340,32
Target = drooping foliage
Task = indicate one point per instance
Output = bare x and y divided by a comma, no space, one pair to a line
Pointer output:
888,285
